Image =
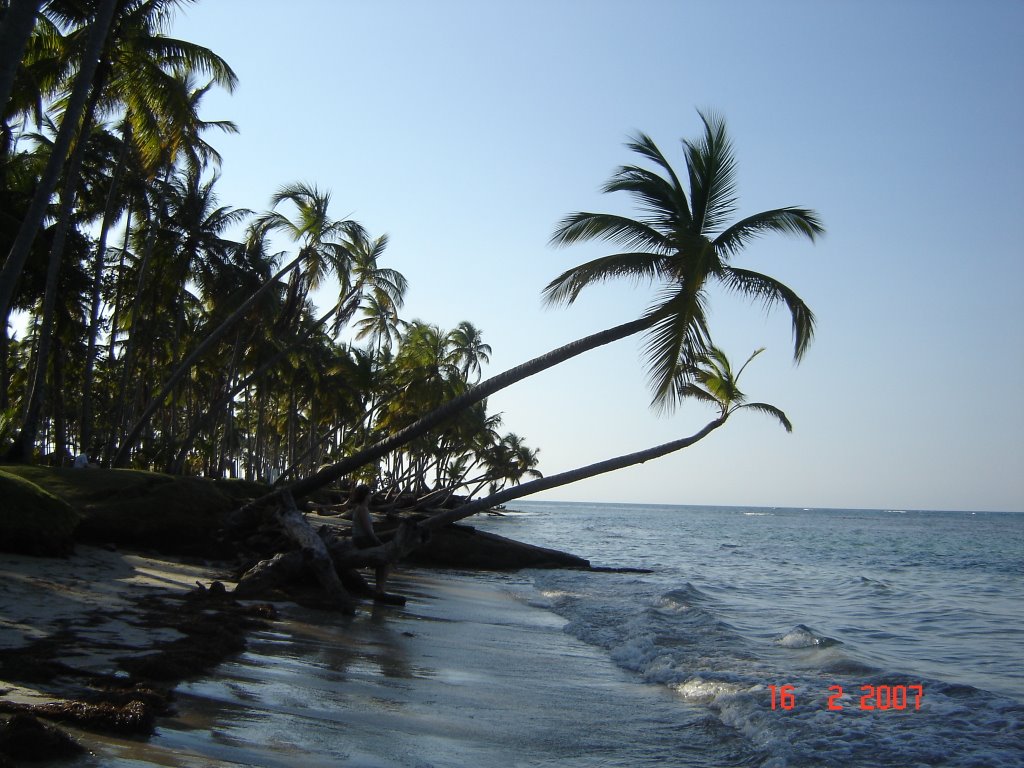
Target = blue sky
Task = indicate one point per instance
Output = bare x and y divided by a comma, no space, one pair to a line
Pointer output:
466,130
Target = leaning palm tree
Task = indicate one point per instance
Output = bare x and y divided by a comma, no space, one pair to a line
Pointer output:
709,379
683,243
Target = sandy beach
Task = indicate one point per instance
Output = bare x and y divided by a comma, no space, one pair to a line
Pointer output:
467,673
88,607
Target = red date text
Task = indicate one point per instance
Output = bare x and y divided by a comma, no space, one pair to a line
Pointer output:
873,697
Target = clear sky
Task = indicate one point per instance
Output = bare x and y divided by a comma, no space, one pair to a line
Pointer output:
466,130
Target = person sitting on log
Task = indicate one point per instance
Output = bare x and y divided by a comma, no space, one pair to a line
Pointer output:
363,535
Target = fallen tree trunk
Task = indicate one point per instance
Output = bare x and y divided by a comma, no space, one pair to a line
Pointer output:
325,554
269,574
410,536
314,552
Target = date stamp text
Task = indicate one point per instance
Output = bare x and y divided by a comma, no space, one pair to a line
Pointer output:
883,698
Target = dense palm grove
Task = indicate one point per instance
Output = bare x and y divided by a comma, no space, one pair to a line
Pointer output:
146,324
159,337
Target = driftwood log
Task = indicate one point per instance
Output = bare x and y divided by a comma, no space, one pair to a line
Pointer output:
325,555
314,552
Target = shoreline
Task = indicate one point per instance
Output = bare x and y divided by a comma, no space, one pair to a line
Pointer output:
470,671
100,639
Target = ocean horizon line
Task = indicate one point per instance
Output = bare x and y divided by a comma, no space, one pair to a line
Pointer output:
770,507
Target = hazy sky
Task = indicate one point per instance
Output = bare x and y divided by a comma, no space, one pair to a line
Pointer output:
466,130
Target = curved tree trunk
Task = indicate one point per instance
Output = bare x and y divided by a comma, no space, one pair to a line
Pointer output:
271,573
21,450
571,476
439,415
62,143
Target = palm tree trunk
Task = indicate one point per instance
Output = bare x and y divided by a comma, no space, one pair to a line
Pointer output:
439,415
115,310
62,143
60,424
15,30
571,476
5,352
410,536
121,458
21,450
125,406
86,428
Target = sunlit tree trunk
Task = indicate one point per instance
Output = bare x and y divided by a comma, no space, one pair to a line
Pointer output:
565,478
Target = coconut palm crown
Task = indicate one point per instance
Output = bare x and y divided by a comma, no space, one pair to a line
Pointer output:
684,243
711,380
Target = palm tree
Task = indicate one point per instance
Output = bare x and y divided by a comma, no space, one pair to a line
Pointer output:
122,455
365,279
380,323
684,242
140,71
682,250
709,379
125,62
469,348
323,241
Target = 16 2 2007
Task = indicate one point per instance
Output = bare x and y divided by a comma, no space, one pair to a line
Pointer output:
883,698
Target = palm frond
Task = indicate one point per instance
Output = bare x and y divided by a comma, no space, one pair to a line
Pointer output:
630,233
300,194
770,291
392,284
712,170
272,221
565,288
771,410
743,367
655,194
643,145
189,57
678,336
788,221
688,390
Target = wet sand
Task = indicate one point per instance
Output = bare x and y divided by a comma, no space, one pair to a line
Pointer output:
468,673
87,609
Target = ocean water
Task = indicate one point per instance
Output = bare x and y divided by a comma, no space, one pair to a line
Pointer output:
802,637
760,638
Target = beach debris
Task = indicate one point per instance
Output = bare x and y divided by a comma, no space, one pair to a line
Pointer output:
136,715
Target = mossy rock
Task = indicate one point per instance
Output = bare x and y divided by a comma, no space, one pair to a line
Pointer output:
34,521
